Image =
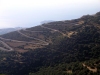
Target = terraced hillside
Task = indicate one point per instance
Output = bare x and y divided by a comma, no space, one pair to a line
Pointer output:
32,38
39,36
55,48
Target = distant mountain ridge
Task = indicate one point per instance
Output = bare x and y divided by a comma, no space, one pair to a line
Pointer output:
7,30
47,21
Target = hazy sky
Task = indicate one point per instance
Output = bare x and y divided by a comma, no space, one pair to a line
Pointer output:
28,13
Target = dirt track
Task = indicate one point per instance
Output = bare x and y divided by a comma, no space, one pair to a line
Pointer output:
41,41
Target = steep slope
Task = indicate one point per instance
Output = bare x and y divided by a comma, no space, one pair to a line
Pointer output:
55,48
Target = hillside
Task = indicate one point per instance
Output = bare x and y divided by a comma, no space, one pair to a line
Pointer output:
70,47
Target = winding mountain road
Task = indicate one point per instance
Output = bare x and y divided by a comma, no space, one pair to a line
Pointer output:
33,31
54,30
42,42
7,46
45,43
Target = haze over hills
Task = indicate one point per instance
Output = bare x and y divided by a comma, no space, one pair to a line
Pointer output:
30,13
69,47
46,21
7,30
